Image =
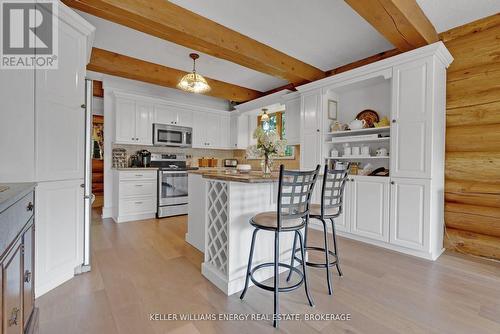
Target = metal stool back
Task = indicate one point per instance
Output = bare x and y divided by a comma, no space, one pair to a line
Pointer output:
294,195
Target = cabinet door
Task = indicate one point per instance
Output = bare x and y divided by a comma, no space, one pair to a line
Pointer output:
199,130
165,114
59,239
370,208
13,289
184,117
411,132
144,115
28,257
125,121
212,130
343,222
224,132
311,111
410,213
60,119
292,121
310,153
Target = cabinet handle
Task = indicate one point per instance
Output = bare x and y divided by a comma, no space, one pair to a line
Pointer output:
139,175
138,202
29,207
392,182
83,106
317,130
393,121
27,276
139,185
13,317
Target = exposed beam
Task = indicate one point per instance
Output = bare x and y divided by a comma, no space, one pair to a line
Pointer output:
131,68
362,62
401,22
168,21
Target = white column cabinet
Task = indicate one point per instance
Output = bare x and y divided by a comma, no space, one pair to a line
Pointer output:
239,135
224,132
292,121
411,130
369,211
410,213
310,155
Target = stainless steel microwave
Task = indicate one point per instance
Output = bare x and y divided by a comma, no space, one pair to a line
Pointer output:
172,135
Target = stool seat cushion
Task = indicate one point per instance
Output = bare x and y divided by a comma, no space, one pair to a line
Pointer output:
315,210
269,219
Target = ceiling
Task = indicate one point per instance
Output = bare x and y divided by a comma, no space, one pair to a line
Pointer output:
447,14
323,33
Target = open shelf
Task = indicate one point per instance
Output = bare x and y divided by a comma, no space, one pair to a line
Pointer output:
356,158
340,140
383,129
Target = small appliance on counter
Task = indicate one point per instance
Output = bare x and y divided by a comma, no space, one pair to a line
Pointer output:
119,157
134,161
230,162
145,158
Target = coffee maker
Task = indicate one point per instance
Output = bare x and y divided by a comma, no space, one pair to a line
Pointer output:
145,158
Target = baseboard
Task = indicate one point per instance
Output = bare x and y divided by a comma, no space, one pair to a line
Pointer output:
40,290
107,212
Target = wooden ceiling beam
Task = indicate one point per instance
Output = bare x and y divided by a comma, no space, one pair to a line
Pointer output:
173,23
401,22
108,62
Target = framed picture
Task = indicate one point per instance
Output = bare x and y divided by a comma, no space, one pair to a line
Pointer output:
332,110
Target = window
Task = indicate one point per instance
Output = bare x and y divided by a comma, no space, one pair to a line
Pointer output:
277,122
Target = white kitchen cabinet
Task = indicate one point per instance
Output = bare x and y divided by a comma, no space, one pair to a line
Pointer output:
292,121
136,195
410,213
144,116
412,109
369,207
224,132
134,121
206,130
59,232
311,143
174,115
239,132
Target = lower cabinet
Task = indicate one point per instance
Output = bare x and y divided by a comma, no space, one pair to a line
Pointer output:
410,213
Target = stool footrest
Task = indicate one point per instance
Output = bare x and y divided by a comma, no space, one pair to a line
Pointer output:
316,264
271,288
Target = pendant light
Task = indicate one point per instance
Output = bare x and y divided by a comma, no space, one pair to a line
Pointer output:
264,117
194,82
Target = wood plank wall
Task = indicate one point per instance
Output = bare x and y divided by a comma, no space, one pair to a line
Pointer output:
472,189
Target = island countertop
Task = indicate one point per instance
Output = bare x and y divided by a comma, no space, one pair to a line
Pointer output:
232,175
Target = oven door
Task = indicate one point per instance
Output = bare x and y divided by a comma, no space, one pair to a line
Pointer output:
173,187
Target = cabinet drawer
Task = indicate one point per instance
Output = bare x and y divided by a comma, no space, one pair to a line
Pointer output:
14,218
138,175
137,188
132,206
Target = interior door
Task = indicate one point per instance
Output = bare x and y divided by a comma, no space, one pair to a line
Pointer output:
370,207
144,115
411,133
13,288
125,121
410,212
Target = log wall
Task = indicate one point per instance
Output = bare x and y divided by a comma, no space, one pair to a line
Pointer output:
472,189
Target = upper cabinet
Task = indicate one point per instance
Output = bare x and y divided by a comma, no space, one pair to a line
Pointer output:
412,109
134,121
169,114
310,154
292,120
206,130
239,135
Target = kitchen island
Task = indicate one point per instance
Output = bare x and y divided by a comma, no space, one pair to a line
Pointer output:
221,228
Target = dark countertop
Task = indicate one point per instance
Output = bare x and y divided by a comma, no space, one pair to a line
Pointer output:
15,192
223,175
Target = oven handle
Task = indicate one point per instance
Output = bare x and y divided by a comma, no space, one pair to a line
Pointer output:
173,172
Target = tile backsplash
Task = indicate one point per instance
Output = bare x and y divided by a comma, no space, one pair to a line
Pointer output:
196,153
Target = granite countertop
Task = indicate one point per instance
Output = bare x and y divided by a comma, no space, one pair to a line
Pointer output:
13,193
232,175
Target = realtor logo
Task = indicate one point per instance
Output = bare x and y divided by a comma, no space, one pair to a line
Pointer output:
29,34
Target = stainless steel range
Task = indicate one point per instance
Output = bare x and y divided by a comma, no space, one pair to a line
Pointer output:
172,184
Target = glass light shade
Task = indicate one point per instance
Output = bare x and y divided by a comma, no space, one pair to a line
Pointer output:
264,117
194,83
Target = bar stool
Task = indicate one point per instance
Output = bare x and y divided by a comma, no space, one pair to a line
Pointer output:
330,208
294,194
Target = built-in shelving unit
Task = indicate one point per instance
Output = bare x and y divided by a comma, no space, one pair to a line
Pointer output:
359,131
355,158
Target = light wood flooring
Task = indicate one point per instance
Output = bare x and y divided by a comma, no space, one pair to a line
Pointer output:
146,267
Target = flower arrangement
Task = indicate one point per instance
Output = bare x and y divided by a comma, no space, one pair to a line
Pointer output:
269,145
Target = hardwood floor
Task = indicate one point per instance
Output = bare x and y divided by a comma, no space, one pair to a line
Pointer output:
146,267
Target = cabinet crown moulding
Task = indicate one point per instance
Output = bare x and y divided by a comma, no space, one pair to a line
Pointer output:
437,49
